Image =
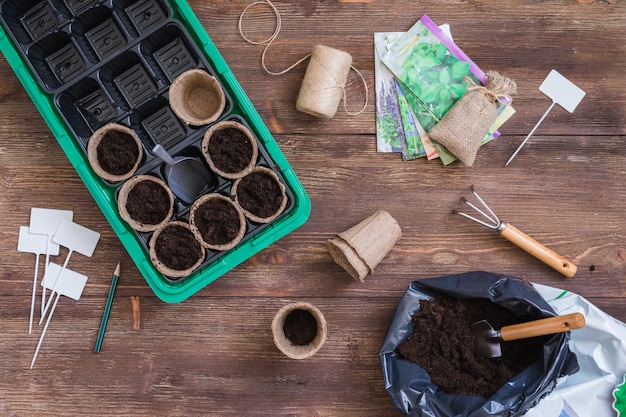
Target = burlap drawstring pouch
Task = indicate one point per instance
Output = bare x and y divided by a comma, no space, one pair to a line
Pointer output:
465,125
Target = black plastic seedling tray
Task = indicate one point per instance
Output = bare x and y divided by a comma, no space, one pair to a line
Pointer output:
87,63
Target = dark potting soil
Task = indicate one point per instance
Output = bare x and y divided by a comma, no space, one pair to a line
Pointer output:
117,152
260,194
177,248
217,221
148,202
300,327
444,346
230,149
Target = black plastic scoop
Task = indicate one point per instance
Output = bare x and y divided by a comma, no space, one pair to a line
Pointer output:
488,339
186,176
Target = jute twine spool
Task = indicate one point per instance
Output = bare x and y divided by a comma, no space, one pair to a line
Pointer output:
324,82
464,126
323,85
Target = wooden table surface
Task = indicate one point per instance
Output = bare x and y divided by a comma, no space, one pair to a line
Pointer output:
213,353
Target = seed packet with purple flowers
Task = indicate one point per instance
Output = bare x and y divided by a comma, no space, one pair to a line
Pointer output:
389,127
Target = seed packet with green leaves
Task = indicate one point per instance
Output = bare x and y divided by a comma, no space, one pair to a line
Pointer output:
429,70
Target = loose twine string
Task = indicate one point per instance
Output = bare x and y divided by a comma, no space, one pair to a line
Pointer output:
324,86
498,87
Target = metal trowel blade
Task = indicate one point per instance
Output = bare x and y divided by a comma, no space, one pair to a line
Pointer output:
486,339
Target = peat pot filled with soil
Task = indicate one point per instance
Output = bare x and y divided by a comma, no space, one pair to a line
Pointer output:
218,223
230,149
196,97
175,251
145,202
261,195
114,152
299,330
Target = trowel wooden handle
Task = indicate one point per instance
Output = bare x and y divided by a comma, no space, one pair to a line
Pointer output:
539,251
542,327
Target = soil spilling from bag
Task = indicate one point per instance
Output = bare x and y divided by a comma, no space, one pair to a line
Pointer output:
230,150
444,346
217,221
148,203
177,248
117,152
260,194
300,327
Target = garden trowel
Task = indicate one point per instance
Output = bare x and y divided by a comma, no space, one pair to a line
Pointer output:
488,339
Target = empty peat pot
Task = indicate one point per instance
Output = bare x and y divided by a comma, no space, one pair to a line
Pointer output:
114,152
145,202
260,194
174,249
218,223
196,97
361,248
230,149
299,330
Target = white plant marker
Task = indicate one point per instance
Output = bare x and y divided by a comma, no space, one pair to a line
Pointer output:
37,244
65,282
76,238
45,222
562,92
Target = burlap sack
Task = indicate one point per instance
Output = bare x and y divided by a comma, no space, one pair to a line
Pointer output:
465,125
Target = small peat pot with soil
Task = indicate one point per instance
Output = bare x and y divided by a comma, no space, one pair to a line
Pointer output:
197,98
261,195
145,202
299,330
230,149
114,152
218,223
175,251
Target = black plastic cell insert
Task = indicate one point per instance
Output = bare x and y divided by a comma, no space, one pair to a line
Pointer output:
145,15
39,20
105,39
78,6
66,63
164,127
96,109
136,85
174,59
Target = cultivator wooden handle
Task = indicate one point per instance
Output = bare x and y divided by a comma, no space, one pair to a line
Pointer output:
490,219
539,251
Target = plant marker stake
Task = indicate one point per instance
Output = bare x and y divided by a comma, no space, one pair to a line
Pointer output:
562,92
45,221
69,283
76,238
37,244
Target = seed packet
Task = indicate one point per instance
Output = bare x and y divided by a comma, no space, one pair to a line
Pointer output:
389,128
429,71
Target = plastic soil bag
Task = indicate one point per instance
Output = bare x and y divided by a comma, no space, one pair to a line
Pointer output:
411,387
598,388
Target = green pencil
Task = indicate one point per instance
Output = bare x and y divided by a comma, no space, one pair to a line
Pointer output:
107,308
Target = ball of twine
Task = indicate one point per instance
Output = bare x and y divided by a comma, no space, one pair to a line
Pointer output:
324,82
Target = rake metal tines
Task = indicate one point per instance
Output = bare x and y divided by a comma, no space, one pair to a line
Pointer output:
491,219
516,236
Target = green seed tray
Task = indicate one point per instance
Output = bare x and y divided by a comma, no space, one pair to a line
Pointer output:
85,63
